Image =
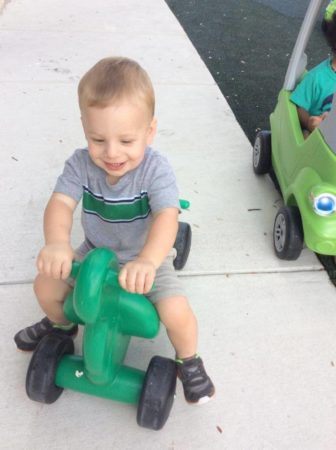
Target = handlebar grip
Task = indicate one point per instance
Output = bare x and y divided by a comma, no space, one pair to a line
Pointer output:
185,204
90,281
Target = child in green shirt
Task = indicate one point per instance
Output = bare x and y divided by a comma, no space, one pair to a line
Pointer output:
314,94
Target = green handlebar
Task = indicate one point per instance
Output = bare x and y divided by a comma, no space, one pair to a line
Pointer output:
185,204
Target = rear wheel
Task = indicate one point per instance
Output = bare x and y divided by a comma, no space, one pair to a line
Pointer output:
157,393
182,245
288,233
262,153
40,379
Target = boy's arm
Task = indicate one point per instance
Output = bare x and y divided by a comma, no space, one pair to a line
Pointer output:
161,236
138,275
56,256
309,122
303,117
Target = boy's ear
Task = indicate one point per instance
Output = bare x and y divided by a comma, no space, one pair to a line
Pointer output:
152,130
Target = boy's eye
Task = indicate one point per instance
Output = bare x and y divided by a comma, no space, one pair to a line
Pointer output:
126,142
98,141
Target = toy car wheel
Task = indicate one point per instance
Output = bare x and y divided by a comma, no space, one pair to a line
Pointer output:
40,379
262,153
157,395
288,233
329,263
182,245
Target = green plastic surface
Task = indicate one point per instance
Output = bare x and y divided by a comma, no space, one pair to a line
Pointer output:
302,167
185,204
110,316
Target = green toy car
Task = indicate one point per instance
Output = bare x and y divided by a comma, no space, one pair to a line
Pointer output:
305,169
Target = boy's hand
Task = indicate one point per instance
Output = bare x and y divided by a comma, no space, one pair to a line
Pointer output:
314,121
137,276
55,261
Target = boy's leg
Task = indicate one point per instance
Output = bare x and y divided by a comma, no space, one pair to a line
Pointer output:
50,294
181,324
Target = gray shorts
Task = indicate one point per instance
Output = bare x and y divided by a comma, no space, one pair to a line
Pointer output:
167,284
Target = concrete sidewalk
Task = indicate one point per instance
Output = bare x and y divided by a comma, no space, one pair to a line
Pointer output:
267,327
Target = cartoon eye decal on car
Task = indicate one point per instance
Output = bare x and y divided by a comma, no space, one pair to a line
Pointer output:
323,204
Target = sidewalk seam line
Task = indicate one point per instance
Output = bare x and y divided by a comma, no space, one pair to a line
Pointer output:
201,274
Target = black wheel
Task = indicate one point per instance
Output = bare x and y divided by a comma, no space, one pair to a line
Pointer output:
288,233
262,153
157,395
182,245
329,263
40,379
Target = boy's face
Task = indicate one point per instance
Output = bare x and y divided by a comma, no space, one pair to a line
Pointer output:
117,136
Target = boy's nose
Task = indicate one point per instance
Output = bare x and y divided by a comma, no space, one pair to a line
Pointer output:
111,150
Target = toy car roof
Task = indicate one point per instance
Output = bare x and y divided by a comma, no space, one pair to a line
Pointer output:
298,63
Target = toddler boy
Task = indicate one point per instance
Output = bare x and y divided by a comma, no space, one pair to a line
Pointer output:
129,204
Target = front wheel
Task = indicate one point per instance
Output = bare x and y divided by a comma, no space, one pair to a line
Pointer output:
262,153
40,379
288,233
157,395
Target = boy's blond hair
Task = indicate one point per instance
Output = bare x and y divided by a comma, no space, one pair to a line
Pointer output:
113,79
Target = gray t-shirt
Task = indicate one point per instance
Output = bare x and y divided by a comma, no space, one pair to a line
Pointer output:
118,216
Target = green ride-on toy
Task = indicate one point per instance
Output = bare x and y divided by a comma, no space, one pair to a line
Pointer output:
304,169
110,316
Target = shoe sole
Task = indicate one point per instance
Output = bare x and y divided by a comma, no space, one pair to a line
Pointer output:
202,400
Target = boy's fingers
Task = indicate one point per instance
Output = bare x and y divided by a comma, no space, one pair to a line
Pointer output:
140,283
122,278
56,270
135,281
65,270
148,283
130,281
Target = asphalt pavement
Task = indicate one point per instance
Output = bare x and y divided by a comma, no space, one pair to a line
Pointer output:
246,45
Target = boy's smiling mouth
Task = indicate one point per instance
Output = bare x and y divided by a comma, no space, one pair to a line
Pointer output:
114,166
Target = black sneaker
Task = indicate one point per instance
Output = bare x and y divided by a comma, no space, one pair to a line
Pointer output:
28,338
197,386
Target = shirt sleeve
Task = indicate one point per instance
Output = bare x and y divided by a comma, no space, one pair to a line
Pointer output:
70,181
304,93
163,191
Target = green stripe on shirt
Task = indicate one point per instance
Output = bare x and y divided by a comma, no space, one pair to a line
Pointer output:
122,211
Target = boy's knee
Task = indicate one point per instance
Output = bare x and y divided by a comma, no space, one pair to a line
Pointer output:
175,312
47,289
